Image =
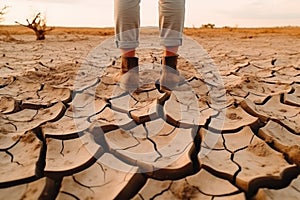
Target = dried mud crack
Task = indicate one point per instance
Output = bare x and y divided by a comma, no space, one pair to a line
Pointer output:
94,141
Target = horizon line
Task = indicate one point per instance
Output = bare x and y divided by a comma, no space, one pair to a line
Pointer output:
196,27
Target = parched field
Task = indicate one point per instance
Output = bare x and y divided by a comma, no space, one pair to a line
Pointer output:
231,131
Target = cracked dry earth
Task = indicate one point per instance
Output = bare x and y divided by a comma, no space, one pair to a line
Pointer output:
58,141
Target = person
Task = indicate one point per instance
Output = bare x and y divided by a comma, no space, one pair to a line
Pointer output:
127,24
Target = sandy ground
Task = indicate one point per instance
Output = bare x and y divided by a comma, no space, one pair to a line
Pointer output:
231,131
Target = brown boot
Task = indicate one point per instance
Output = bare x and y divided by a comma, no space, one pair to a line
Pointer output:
170,77
128,78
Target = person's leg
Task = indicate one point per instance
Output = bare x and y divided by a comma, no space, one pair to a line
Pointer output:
171,24
127,24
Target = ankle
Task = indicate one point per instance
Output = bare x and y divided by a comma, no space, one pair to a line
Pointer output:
169,63
170,51
128,53
129,63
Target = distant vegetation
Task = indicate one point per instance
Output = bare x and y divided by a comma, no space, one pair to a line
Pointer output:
209,25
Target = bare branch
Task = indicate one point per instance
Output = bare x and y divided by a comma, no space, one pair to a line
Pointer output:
21,24
38,16
3,12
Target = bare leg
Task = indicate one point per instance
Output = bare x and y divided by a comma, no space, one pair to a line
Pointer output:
128,52
127,24
170,51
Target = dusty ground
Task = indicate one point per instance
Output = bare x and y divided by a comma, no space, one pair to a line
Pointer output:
231,131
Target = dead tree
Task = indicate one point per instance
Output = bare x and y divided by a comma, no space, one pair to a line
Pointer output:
38,25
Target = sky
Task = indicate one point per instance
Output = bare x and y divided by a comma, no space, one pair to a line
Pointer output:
99,13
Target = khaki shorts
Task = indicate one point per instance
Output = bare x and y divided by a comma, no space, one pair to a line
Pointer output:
127,22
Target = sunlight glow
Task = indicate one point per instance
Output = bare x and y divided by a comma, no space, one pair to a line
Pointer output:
95,13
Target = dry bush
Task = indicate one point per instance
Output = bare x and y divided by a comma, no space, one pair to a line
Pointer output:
208,25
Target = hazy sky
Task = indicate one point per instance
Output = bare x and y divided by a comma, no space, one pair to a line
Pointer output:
99,13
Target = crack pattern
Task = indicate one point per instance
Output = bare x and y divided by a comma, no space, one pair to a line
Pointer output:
66,135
